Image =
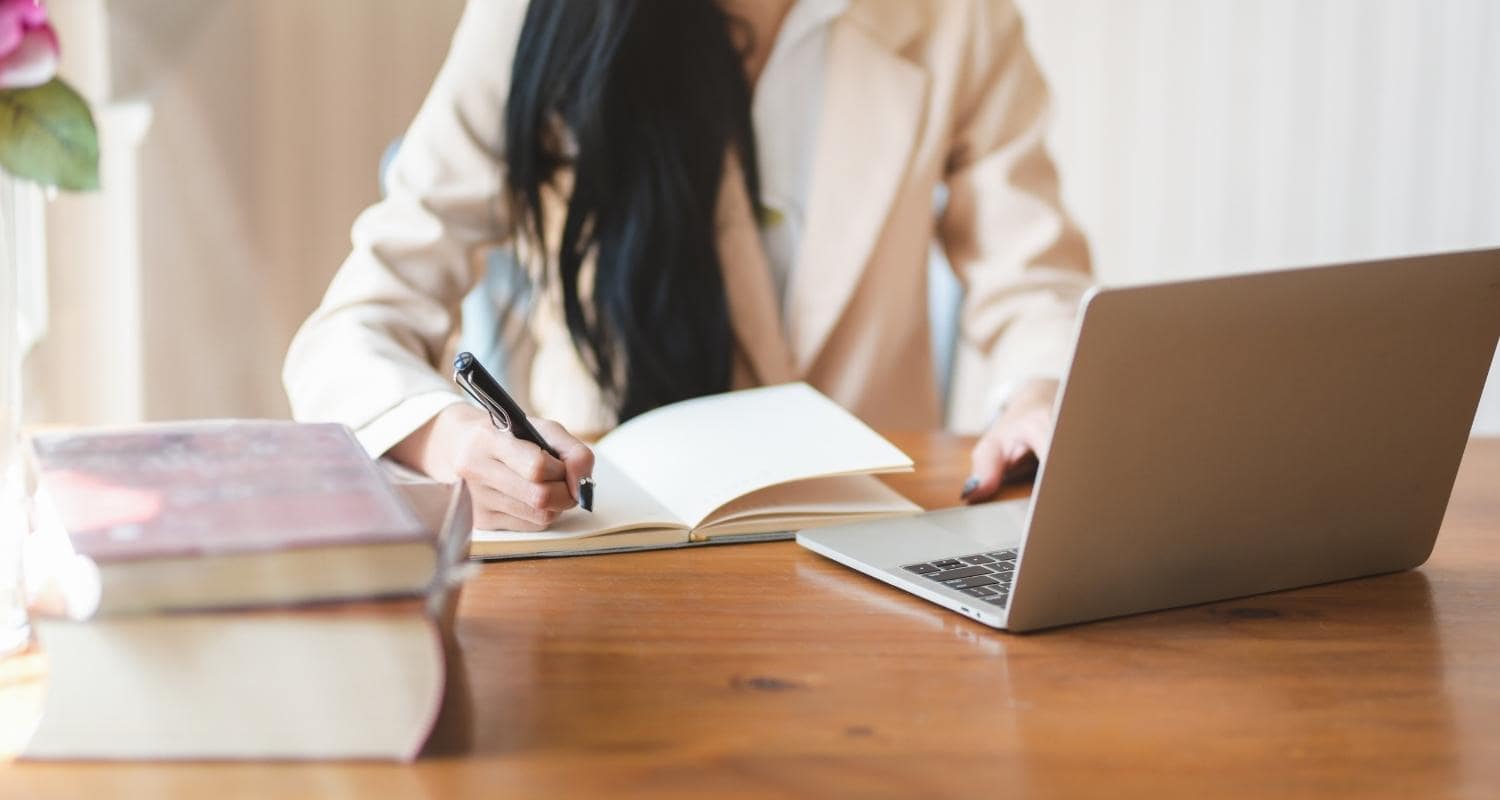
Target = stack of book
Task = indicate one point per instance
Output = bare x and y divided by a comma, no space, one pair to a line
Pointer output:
263,591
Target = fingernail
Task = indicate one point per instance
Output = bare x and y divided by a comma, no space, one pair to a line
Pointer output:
586,493
969,486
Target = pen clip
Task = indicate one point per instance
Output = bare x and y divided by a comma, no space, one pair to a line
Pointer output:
498,417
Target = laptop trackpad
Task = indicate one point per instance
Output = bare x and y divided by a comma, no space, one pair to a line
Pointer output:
948,533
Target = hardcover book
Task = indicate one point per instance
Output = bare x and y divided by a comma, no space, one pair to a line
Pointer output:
229,513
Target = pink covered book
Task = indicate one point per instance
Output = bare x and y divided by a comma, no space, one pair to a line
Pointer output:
230,513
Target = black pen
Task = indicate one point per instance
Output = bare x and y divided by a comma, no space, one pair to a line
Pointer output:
507,415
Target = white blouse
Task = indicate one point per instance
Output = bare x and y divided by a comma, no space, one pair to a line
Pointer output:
784,110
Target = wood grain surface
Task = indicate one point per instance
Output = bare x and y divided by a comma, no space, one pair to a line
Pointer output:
762,670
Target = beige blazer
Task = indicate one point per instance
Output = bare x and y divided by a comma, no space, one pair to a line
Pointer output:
917,95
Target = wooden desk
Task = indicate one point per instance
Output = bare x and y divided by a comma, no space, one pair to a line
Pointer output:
763,670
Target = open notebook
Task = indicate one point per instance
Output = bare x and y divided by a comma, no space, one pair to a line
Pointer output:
753,464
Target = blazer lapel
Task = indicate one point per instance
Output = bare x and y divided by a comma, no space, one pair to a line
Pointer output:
872,109
754,314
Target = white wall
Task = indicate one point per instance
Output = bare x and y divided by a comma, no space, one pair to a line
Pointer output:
268,118
1205,136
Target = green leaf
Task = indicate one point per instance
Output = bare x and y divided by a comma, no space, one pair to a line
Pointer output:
47,135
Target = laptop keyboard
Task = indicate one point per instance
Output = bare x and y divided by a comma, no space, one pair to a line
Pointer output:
986,576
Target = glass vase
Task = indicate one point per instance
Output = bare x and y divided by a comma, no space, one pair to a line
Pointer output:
21,233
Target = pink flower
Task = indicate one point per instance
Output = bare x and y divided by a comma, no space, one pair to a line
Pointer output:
28,45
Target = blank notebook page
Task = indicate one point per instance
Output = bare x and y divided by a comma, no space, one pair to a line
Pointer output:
697,455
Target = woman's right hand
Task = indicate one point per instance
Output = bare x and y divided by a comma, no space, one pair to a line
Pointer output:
514,485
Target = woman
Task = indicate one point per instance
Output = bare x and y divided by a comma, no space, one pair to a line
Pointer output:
709,195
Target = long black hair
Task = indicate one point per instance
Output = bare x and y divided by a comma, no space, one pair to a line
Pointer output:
654,96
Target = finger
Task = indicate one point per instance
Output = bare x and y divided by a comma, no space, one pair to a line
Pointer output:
1020,467
487,520
486,472
492,476
526,459
1036,433
1028,438
489,502
987,466
551,496
577,458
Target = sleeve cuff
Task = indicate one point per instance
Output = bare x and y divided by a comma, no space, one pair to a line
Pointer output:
383,432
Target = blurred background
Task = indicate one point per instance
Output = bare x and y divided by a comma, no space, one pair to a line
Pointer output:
241,137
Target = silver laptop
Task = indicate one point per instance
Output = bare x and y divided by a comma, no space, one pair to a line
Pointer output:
1220,438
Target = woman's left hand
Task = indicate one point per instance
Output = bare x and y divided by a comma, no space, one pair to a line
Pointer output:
1015,443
